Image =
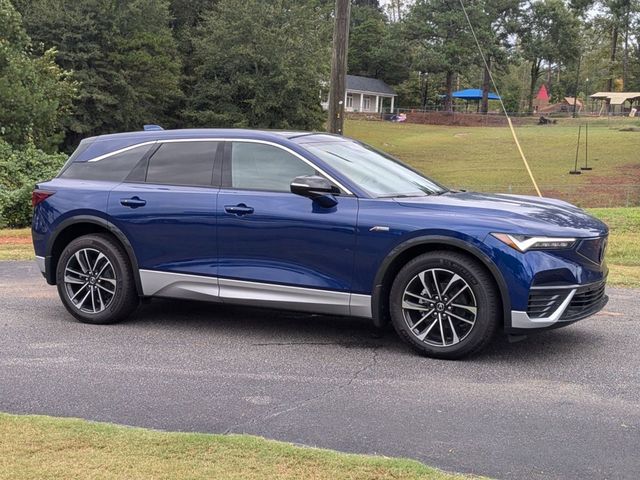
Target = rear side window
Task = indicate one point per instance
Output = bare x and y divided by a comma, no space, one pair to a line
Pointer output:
183,163
111,169
256,166
84,144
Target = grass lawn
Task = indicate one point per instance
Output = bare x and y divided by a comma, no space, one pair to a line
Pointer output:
40,448
15,244
486,158
623,255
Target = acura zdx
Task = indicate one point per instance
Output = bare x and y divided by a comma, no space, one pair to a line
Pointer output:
310,222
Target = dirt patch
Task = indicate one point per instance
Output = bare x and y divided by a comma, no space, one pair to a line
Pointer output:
9,240
465,119
621,188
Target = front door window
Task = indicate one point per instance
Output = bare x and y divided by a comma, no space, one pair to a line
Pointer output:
256,166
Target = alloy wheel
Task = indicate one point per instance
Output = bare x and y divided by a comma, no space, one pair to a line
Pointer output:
439,307
90,280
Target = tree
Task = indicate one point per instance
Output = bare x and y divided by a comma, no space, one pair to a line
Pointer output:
35,94
20,169
441,41
187,18
376,47
260,64
397,9
367,3
188,13
496,21
633,84
549,32
365,34
122,53
616,18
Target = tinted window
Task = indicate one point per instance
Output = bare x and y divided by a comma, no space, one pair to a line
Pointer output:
255,166
112,169
183,163
84,144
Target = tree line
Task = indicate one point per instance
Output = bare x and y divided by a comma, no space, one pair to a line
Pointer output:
573,46
70,69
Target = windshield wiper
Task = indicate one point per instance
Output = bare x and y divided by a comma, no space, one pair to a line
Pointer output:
402,195
412,195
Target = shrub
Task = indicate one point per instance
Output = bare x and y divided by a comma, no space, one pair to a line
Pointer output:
20,170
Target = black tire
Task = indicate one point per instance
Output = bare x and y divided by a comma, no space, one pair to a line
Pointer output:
480,289
117,305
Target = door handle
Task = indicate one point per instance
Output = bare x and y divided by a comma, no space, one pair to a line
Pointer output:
239,210
133,202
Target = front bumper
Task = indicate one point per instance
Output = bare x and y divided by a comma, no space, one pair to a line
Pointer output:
556,306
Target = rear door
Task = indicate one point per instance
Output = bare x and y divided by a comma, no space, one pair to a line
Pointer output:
167,207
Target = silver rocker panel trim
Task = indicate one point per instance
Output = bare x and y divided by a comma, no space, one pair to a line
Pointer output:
178,285
522,320
196,287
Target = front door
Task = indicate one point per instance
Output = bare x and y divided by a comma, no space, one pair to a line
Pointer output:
270,239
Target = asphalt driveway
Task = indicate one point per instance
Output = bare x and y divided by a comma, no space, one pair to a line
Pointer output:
563,404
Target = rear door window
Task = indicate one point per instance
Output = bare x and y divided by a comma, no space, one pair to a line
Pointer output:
183,163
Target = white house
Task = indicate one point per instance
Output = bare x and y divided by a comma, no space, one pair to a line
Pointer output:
366,94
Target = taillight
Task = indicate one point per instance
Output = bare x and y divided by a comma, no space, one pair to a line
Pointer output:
39,196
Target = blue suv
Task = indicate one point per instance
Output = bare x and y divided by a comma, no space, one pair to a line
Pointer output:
310,222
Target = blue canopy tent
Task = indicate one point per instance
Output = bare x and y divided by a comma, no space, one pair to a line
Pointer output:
473,94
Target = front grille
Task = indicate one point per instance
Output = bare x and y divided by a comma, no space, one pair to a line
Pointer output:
593,249
585,302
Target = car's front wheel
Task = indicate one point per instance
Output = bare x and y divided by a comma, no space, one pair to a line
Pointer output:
95,281
445,304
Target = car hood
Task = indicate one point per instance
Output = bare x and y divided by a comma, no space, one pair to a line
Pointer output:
517,213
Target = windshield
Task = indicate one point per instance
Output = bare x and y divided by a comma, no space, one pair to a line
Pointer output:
375,172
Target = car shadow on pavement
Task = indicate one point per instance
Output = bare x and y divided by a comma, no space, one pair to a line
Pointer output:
260,327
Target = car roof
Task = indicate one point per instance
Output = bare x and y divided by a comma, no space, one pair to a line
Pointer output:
106,144
209,132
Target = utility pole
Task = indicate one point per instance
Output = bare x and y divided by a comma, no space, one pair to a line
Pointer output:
338,86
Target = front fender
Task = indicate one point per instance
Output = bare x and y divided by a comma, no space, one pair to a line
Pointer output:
398,256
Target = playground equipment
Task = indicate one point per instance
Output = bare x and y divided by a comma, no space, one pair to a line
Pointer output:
586,149
575,170
586,167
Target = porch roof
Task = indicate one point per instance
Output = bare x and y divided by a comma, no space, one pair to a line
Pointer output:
372,86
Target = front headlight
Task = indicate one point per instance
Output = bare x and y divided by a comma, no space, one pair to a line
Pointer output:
522,243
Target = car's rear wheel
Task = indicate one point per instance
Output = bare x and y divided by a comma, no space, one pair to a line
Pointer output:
95,281
445,304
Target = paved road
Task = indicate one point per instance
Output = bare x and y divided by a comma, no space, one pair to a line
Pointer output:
564,404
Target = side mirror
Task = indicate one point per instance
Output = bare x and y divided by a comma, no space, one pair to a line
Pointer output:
316,188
